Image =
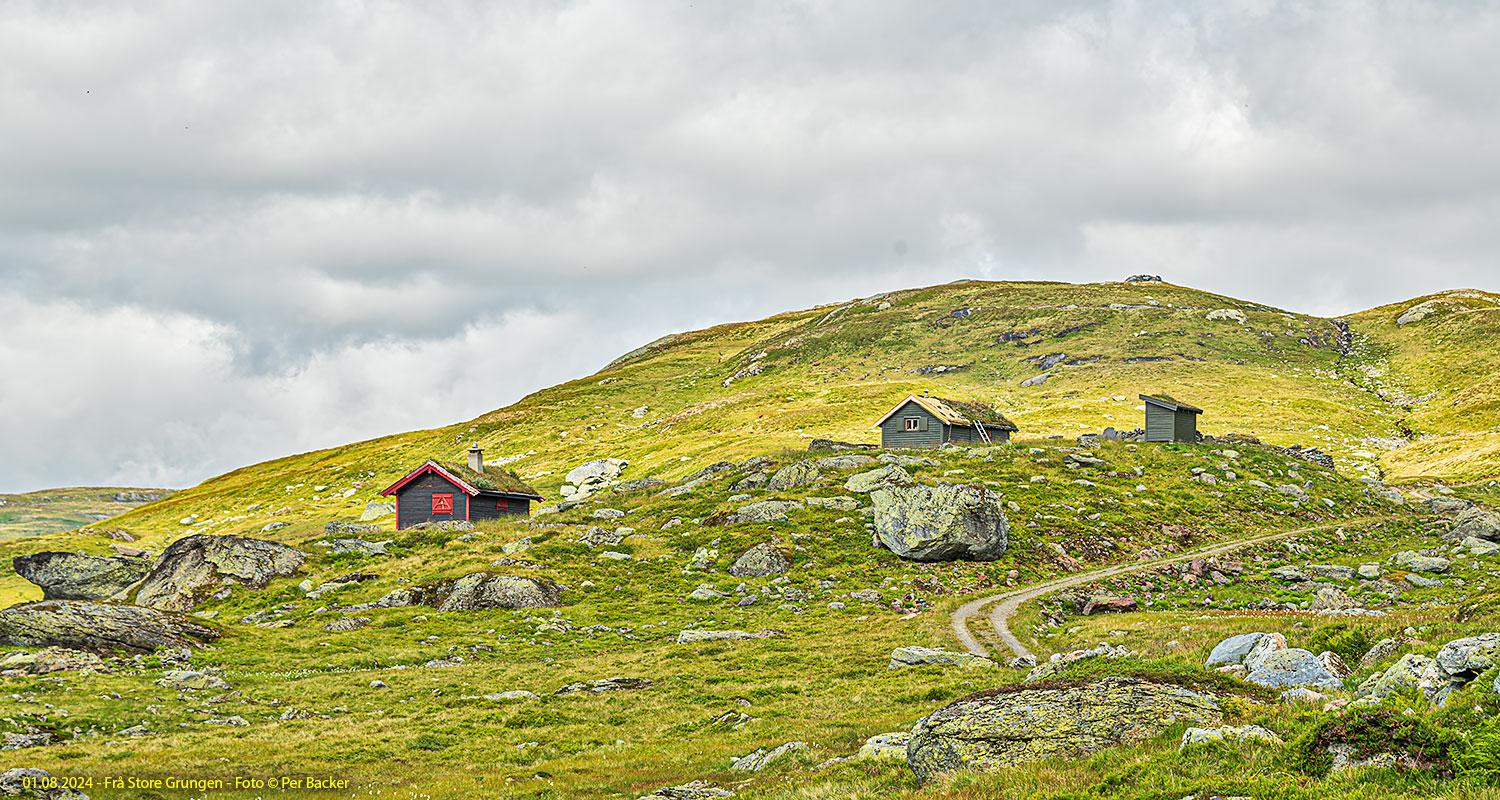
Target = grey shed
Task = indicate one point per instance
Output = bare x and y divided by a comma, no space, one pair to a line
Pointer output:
1168,420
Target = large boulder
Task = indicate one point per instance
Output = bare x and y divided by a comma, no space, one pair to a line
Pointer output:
1404,674
98,627
941,523
762,511
1458,662
595,472
1236,649
1416,562
49,660
999,728
1284,669
1479,523
760,561
1330,599
195,568
927,656
70,576
483,591
798,474
883,478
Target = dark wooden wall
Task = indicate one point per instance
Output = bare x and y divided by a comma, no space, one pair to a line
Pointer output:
893,431
416,501
483,507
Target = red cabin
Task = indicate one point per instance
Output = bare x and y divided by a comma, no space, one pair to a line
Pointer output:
438,492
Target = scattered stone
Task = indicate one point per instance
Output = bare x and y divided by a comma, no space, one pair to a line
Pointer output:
843,462
760,561
378,684
1328,571
693,790
1331,599
995,729
763,511
926,656
603,685
1231,314
514,694
1480,547
346,529
1229,733
484,591
20,780
608,513
835,503
941,523
760,759
1059,662
1416,562
1386,648
361,547
1290,574
347,624
50,660
596,536
21,741
693,636
1404,674
70,576
638,485
1457,663
190,681
1037,380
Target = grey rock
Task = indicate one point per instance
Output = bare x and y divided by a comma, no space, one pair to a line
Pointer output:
1234,649
1229,733
1334,664
843,462
378,684
1369,571
885,747
1404,674
192,681
194,568
1294,667
374,511
883,478
1424,583
49,660
1331,599
483,591
1290,574
20,741
1479,523
1416,562
361,547
760,561
695,635
1448,506
927,656
638,485
1301,694
835,503
1227,314
347,624
234,721
763,511
941,523
1037,380
596,536
333,529
791,475
274,526
692,790
866,596
1330,571
604,685
514,694
1459,662
595,472
1480,547
760,759
608,513
905,460
706,593
1385,649
987,732
70,576
98,627
1295,492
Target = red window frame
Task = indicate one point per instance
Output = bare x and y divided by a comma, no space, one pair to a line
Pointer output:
442,503
502,505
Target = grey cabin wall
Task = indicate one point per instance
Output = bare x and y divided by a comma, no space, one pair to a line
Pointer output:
893,431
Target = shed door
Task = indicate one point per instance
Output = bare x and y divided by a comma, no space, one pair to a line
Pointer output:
442,503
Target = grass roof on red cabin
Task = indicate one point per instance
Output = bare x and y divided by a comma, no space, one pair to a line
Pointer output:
493,479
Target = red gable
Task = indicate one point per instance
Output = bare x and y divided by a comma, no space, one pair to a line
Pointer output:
431,466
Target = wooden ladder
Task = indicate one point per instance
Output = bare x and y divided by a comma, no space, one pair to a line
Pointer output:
984,435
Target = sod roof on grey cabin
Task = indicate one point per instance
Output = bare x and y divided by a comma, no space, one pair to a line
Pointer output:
493,479
957,412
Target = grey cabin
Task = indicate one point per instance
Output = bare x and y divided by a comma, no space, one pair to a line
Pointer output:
443,492
1167,420
931,421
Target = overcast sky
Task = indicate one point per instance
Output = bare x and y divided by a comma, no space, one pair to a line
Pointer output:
235,230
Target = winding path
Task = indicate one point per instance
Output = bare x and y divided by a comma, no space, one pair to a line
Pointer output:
1009,602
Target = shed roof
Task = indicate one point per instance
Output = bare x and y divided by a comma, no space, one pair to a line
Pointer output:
966,413
493,480
1170,403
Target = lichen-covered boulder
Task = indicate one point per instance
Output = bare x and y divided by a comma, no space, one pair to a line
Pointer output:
1458,662
483,591
1234,649
1229,733
1479,523
884,747
1002,727
1416,562
941,523
1386,648
760,561
926,656
1284,669
194,568
1331,599
763,511
849,461
1404,674
798,474
595,472
49,660
71,576
885,477
98,627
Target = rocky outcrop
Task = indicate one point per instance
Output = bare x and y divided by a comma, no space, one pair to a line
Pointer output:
195,568
1479,523
483,591
927,656
760,759
1284,669
603,685
361,547
1458,662
1237,649
883,478
98,627
1404,674
941,523
792,475
763,511
999,728
70,576
50,660
695,635
586,479
1059,662
760,561
349,529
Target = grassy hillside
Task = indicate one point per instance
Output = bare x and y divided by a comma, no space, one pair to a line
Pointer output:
726,392
1358,389
54,510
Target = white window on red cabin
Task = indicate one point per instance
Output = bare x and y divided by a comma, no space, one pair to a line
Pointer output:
442,503
502,505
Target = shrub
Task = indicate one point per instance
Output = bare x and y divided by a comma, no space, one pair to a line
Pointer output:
1412,739
1350,644
1482,756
